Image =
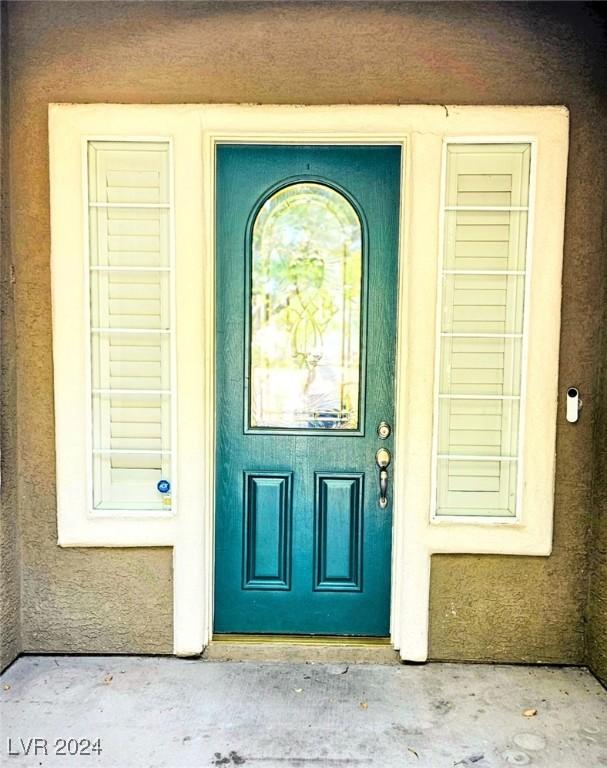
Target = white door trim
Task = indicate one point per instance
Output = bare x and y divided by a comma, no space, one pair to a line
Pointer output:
195,130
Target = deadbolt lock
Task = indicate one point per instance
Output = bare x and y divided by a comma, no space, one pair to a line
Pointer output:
384,430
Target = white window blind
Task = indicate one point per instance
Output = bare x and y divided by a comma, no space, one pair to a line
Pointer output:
129,201
483,285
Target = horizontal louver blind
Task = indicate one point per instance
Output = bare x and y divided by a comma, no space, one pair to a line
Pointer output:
481,330
131,342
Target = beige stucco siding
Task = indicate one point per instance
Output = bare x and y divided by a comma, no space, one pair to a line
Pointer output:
597,593
597,604
120,600
10,568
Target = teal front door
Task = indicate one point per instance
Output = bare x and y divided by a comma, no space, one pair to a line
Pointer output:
306,248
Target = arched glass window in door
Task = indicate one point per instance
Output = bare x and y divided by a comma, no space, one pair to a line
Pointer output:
305,311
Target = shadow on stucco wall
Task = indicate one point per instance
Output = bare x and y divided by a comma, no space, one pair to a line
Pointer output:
10,568
596,646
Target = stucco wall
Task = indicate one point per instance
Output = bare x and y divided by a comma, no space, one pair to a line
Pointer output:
10,570
597,593
482,607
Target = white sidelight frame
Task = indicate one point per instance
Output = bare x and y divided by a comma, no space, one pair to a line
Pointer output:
194,132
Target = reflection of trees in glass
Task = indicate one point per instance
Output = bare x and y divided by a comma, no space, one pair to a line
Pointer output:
305,310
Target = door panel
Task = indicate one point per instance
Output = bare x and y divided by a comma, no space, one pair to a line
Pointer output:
306,315
338,523
267,530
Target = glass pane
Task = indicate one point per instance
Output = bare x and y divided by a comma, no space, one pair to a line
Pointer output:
478,427
127,430
130,361
480,366
483,303
130,300
485,240
128,172
476,488
306,286
129,481
129,237
488,174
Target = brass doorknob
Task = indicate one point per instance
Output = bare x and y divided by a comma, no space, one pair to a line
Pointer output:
383,459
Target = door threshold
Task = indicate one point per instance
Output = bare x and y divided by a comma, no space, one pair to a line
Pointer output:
302,639
312,649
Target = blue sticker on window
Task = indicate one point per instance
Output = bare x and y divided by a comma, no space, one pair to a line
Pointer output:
163,486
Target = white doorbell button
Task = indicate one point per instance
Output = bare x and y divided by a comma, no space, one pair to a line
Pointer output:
574,403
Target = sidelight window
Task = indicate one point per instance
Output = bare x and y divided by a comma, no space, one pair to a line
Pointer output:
481,330
130,280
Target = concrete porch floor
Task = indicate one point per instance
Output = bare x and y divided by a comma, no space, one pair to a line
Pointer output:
174,713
